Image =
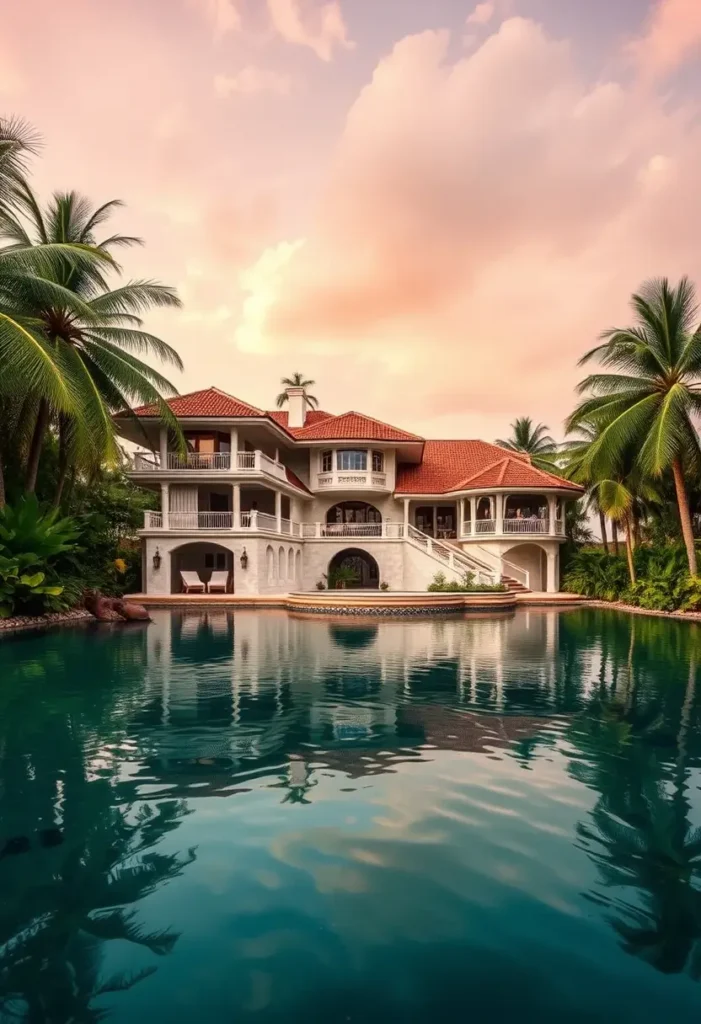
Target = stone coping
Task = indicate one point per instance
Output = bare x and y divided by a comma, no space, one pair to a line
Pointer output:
24,622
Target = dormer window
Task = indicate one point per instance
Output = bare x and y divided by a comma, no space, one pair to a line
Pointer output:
326,462
378,462
351,460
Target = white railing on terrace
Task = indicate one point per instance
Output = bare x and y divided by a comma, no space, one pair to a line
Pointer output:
327,531
485,526
251,520
362,479
560,527
526,526
243,462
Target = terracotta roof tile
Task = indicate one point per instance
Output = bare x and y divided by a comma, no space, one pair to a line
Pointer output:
351,426
281,416
293,479
208,402
470,465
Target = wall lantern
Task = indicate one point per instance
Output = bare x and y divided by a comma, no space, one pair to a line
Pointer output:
244,559
157,560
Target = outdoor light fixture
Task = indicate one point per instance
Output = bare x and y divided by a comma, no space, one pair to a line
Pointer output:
244,559
157,560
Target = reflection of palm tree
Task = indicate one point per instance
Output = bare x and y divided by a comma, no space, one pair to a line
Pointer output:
639,834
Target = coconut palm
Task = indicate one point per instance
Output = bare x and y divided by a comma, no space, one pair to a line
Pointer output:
575,451
648,405
297,380
532,440
95,332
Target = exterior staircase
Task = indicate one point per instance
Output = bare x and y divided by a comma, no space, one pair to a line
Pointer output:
513,586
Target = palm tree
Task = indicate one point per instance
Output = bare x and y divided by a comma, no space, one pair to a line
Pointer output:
95,332
297,380
648,405
532,440
575,451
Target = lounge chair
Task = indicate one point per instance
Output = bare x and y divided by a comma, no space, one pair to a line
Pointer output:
219,581
192,584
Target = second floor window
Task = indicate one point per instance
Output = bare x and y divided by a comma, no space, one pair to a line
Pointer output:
326,462
351,460
378,462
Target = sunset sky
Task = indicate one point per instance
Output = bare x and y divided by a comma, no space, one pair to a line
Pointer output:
432,208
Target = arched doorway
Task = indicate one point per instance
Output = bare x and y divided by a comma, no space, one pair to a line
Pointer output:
364,567
533,559
354,519
203,559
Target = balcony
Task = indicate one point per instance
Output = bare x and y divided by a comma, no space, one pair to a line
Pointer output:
334,531
349,480
241,463
511,527
254,521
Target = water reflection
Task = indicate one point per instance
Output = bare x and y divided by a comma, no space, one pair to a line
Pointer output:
377,784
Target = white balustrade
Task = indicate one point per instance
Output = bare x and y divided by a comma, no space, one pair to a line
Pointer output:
363,480
485,526
526,526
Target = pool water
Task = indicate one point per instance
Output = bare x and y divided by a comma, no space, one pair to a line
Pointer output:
255,817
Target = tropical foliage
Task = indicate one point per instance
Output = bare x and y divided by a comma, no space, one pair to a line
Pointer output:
297,380
466,584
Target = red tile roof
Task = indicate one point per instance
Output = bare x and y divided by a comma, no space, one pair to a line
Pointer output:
208,402
471,465
281,416
351,426
293,479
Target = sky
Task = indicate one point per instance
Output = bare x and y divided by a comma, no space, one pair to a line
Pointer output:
430,208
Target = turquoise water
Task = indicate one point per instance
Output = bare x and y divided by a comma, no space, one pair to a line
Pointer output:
254,817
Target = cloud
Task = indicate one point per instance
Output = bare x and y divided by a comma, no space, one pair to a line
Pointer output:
320,27
482,13
483,219
672,33
251,81
222,15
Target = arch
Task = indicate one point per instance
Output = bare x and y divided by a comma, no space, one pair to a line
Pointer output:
298,568
203,558
291,564
366,569
353,637
532,558
353,512
270,564
281,564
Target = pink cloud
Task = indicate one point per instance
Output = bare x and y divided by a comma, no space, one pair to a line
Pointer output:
320,27
482,14
251,81
672,33
484,218
222,15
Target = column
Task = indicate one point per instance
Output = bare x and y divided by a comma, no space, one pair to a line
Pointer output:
277,454
500,513
552,582
473,515
406,517
164,447
234,445
461,525
236,505
369,462
278,510
552,512
165,505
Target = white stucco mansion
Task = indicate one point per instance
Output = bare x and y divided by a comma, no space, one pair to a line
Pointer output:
277,499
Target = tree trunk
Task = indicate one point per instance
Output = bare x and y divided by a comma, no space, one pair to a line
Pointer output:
62,460
614,536
684,514
42,422
629,549
636,527
602,526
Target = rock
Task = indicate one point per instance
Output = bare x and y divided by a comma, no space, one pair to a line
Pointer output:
132,612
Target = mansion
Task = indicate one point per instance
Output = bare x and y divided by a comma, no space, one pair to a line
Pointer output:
276,502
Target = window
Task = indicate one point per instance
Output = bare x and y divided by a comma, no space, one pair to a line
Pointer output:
326,462
378,462
351,460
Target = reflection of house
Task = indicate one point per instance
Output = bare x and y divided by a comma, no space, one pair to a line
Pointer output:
356,697
278,500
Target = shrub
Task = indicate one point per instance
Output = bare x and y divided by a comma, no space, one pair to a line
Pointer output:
596,574
341,577
320,585
384,586
466,584
24,593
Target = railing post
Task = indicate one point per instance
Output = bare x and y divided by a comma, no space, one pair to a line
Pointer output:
147,520
429,545
164,447
318,529
254,518
165,501
384,527
451,560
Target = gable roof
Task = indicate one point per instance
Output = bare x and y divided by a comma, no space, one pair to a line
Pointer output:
353,426
470,465
204,403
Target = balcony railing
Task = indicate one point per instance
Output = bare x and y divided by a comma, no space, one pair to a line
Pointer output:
361,480
329,531
240,462
251,520
526,526
509,527
484,526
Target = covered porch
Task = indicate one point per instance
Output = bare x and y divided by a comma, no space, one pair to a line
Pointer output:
224,507
481,516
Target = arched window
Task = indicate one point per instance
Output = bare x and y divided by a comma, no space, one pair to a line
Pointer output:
281,564
353,512
291,564
270,563
298,568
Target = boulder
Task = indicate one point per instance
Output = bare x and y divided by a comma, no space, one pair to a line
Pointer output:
132,612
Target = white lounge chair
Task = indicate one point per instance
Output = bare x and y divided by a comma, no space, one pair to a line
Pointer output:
192,584
219,581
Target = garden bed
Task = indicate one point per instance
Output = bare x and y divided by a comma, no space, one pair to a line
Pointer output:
71,617
635,609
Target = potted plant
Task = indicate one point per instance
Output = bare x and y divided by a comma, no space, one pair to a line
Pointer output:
344,576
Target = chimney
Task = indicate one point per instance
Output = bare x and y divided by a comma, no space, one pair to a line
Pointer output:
297,406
